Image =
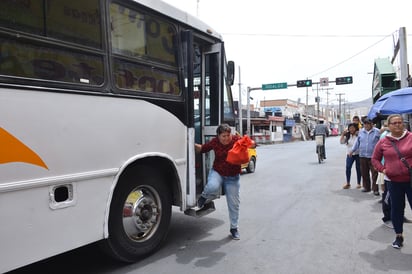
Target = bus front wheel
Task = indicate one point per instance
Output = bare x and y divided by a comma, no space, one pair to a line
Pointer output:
139,215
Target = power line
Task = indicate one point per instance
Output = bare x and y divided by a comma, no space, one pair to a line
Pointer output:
310,35
324,36
353,56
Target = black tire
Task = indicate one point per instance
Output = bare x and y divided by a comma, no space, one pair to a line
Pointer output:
251,167
140,215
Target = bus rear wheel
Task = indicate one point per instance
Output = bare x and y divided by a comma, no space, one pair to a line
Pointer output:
139,216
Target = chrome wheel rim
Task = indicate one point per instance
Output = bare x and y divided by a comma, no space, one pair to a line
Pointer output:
141,213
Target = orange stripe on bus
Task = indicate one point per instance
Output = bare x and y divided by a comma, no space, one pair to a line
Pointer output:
12,150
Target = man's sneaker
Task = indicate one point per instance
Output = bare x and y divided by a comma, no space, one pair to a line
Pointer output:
398,243
201,202
388,224
235,234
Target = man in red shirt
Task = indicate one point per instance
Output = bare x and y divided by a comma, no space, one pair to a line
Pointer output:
223,174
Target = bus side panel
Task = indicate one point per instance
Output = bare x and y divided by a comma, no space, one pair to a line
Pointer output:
75,133
32,231
55,136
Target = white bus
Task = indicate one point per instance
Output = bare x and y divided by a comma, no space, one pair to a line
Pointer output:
101,102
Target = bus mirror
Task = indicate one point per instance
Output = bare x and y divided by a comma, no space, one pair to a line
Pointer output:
230,72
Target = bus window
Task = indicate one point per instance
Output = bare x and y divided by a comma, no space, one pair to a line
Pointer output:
139,39
25,59
134,76
24,16
74,21
212,89
42,58
127,31
137,35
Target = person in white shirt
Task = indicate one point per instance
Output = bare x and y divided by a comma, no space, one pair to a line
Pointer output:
348,138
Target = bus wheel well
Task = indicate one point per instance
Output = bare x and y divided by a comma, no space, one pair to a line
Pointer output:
163,168
140,210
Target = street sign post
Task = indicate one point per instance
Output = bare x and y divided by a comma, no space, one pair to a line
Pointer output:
274,86
324,82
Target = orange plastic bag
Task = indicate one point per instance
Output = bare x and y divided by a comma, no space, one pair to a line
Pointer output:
239,153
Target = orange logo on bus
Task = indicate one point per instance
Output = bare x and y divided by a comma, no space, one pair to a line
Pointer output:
13,150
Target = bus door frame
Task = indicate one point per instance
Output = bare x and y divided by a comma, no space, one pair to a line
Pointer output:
207,128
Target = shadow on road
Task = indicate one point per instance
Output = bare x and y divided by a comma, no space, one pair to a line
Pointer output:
184,241
388,259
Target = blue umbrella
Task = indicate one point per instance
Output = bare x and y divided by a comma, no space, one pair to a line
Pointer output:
395,102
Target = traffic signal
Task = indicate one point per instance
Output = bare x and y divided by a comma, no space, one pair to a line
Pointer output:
344,80
304,83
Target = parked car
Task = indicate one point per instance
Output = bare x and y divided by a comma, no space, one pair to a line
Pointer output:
251,165
334,132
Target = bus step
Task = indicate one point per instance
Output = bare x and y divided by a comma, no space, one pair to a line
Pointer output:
206,209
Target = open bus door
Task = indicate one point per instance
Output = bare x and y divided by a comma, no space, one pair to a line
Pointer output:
208,103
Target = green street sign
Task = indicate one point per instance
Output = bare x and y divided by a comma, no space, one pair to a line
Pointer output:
274,86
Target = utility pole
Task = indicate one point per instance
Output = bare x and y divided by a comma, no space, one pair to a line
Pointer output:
327,103
248,111
306,108
249,89
403,58
317,101
197,8
347,109
340,112
401,48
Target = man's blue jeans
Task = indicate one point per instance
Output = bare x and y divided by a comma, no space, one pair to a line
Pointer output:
231,187
397,192
349,164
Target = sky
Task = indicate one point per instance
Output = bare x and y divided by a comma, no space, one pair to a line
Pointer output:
285,41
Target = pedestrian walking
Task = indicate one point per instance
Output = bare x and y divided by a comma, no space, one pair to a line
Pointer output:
367,138
348,138
396,148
